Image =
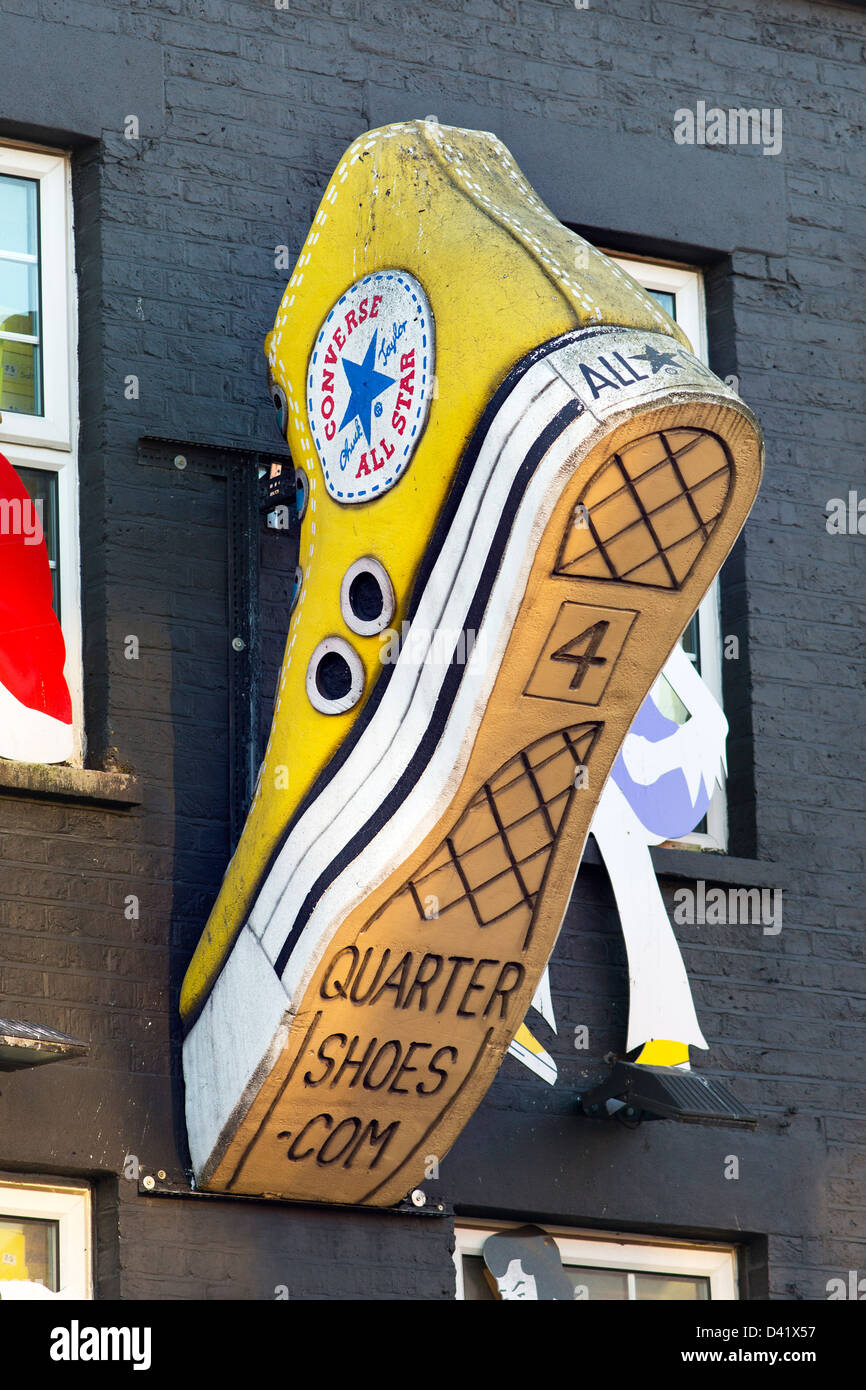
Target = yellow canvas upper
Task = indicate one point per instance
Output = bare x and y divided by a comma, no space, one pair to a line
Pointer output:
501,275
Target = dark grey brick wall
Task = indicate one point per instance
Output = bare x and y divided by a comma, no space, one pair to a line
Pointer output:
206,1248
244,110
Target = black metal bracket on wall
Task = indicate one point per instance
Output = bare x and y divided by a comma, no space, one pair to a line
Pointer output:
414,1204
239,468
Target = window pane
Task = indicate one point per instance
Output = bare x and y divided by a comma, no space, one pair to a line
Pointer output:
671,1287
475,1286
20,313
667,300
19,215
20,377
692,642
41,484
19,297
610,1285
603,1285
28,1250
669,702
597,1283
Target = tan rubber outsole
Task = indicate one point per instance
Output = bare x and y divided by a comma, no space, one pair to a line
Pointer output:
406,1019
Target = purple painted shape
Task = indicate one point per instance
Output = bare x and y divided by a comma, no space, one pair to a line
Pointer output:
651,724
665,806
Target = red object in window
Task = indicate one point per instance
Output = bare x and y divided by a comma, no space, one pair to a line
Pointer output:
35,707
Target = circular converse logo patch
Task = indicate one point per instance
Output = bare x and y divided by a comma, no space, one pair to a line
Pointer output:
369,383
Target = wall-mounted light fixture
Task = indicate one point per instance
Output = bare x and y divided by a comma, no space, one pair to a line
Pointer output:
31,1045
632,1093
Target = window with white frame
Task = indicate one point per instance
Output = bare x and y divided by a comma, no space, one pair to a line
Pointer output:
45,1237
611,1267
38,379
680,291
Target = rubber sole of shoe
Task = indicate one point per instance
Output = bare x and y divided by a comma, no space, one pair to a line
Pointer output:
406,1017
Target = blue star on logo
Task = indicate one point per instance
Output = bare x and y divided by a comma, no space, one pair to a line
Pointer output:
365,384
656,359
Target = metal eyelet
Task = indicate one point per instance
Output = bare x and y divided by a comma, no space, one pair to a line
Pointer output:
302,492
281,406
296,588
367,599
335,677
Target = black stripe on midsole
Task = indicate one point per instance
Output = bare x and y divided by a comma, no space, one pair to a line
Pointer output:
448,690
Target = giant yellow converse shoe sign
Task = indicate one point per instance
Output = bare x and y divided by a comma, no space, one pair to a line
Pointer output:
515,484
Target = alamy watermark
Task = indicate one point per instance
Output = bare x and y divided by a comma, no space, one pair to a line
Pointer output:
846,516
739,125
418,646
77,1343
745,907
22,517
853,1287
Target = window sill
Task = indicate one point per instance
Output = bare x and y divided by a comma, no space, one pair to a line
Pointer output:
61,783
695,864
